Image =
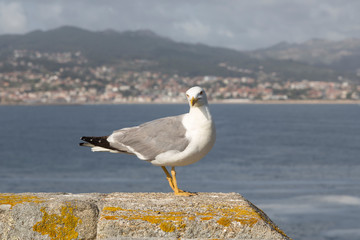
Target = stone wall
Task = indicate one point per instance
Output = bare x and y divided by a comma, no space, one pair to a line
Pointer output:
132,216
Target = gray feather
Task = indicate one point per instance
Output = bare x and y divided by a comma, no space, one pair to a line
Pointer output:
152,138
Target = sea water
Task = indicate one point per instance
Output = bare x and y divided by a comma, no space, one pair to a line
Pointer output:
298,163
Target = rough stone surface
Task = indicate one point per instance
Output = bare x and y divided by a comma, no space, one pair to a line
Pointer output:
132,216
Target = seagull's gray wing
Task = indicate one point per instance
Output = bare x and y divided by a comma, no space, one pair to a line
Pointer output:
150,139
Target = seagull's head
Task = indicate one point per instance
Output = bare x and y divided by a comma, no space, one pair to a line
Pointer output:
196,97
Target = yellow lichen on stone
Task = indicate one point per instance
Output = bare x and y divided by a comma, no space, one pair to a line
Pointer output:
262,216
224,221
150,219
110,217
181,226
243,215
59,226
167,227
250,216
170,221
113,209
14,199
167,221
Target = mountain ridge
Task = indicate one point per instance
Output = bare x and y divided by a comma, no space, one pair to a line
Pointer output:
110,47
340,55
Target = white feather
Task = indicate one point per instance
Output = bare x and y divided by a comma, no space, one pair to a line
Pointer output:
200,130
101,149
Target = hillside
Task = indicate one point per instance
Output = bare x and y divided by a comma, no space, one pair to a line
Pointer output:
340,55
111,47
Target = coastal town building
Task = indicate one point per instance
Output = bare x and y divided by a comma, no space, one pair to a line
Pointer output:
24,81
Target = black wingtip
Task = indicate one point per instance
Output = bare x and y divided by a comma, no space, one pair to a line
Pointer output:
97,141
88,139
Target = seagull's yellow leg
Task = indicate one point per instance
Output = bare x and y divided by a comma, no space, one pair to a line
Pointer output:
178,191
168,177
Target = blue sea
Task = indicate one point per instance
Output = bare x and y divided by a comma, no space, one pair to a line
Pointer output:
298,163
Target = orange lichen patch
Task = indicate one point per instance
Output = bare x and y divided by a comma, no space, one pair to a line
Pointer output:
181,226
167,221
262,215
14,199
224,221
59,226
227,215
113,209
249,216
110,217
167,227
245,216
154,219
249,221
223,215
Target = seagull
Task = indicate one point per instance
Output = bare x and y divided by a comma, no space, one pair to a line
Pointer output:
166,142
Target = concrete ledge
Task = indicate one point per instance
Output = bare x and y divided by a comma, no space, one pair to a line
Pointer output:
132,216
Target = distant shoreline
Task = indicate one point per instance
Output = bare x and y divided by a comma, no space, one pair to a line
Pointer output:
229,101
236,101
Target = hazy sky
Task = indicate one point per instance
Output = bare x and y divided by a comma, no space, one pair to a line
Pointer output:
239,24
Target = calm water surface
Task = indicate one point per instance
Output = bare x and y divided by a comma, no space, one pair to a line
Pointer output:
299,163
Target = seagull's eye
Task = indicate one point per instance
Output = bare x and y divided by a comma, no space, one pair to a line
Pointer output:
187,95
201,93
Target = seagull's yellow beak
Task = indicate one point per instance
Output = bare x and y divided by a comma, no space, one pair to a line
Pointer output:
193,101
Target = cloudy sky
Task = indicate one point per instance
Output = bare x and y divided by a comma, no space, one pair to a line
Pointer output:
239,24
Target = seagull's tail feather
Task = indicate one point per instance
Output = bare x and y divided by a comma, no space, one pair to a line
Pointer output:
98,144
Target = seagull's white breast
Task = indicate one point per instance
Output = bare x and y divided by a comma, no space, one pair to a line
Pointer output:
200,131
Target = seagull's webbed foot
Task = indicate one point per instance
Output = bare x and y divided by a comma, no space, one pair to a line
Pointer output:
173,183
183,193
